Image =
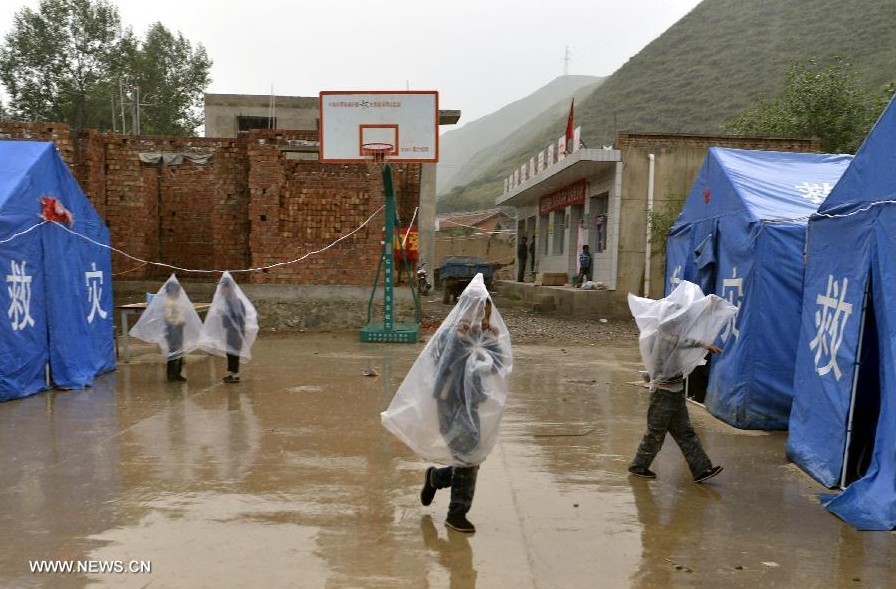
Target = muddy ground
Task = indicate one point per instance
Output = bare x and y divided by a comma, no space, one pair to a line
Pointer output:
288,480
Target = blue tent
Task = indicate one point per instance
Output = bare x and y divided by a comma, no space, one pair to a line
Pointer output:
58,295
740,235
843,423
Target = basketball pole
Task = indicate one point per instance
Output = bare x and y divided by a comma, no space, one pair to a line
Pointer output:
388,330
388,252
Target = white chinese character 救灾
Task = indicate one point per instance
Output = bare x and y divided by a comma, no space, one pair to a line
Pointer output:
94,280
814,192
19,289
830,322
733,292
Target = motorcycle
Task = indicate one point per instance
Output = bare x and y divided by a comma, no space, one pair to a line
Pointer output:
423,285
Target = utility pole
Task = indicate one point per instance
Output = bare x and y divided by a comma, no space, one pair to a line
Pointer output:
135,109
121,94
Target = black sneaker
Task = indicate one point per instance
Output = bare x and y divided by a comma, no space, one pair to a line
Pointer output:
231,378
460,523
644,473
708,474
428,491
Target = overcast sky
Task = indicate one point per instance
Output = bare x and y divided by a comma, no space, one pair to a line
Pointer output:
479,55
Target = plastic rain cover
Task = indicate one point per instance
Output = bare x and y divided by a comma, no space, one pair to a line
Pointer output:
450,404
673,327
170,321
231,323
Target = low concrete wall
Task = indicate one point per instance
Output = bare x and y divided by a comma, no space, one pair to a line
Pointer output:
282,307
566,300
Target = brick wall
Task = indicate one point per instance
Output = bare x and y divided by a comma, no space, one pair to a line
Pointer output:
248,206
678,140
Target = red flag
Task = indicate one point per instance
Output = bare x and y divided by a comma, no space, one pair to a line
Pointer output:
569,133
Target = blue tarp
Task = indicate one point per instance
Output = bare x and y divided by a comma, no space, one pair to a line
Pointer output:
851,247
740,235
58,295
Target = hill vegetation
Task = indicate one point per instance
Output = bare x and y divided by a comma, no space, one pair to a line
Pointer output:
706,69
458,148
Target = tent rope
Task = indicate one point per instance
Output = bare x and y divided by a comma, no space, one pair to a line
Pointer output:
21,233
857,211
173,267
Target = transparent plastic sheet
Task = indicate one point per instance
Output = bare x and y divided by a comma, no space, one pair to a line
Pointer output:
231,323
673,327
449,406
170,321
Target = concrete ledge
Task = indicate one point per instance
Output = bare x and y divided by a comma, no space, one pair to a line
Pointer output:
551,279
282,306
566,300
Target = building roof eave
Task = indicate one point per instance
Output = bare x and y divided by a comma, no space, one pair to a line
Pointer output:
583,163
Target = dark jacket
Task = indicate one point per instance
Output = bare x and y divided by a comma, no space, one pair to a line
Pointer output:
458,384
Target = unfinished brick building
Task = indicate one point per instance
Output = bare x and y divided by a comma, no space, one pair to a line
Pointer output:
230,204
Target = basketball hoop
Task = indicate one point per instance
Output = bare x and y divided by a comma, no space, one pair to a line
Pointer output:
375,157
376,152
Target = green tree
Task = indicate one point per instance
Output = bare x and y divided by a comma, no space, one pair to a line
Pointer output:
171,76
71,61
55,60
827,102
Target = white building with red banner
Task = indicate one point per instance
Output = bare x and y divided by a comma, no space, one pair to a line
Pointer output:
603,198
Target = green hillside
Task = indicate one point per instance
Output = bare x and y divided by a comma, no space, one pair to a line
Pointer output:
459,149
707,68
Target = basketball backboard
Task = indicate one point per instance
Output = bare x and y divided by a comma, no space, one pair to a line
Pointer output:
406,120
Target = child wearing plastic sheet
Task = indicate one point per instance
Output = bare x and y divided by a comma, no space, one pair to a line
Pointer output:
449,407
171,322
676,333
230,327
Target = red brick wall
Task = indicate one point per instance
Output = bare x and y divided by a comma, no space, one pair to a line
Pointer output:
249,206
656,140
300,206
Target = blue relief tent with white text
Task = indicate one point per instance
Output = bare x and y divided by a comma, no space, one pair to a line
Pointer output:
740,235
843,421
58,289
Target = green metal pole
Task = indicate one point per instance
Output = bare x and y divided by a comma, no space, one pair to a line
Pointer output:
388,254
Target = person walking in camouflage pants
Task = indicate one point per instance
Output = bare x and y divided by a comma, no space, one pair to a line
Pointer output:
668,412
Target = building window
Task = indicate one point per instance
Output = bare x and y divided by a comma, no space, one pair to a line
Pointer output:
597,230
559,231
245,123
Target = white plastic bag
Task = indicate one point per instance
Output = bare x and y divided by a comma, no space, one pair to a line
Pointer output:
449,407
231,323
673,328
170,321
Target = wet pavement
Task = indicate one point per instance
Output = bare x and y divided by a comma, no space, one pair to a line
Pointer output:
288,480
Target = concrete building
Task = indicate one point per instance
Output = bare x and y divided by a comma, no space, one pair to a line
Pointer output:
229,115
488,234
604,198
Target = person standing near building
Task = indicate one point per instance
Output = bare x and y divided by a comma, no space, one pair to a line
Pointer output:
584,266
230,327
522,250
449,406
532,253
675,334
175,320
171,322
